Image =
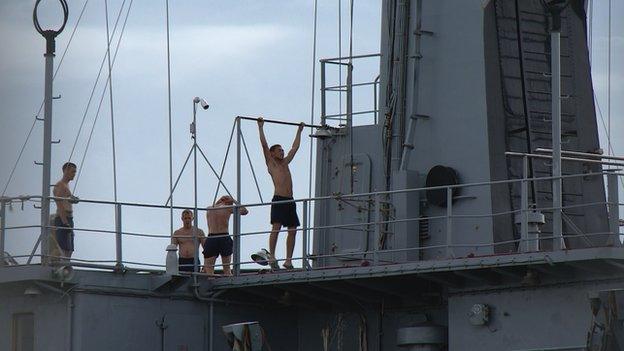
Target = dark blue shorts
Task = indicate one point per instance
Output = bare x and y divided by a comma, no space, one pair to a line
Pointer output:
186,264
64,233
218,244
285,213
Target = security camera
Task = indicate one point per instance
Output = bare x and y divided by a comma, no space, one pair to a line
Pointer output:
202,102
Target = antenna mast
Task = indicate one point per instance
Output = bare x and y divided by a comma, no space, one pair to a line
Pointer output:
50,37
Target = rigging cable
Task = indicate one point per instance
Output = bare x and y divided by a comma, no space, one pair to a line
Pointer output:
591,30
110,94
97,79
97,114
32,127
312,103
340,61
169,117
609,80
350,92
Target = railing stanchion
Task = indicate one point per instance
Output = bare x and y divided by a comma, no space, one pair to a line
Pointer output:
377,230
237,241
237,219
449,222
304,244
2,230
524,208
118,239
614,208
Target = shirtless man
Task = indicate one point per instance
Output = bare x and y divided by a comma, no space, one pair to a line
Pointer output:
219,243
64,220
183,237
283,214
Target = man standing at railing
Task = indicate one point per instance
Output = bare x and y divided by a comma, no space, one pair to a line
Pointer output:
219,243
64,220
282,214
184,238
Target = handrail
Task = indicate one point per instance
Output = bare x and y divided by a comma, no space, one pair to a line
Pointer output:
341,196
367,204
349,57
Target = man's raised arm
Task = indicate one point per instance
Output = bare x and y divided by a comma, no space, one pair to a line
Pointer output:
263,142
295,145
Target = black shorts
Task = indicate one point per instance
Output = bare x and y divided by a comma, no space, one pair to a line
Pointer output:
285,213
218,244
186,264
64,233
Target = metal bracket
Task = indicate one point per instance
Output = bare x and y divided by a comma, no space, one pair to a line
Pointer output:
39,119
423,32
56,97
58,141
38,163
418,116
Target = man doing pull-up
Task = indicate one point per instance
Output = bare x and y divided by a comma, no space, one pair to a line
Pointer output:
282,214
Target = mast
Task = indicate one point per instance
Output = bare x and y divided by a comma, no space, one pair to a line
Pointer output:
50,36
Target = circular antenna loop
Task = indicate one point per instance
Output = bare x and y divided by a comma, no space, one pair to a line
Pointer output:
47,32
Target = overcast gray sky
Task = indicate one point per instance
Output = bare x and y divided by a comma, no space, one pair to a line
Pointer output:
244,57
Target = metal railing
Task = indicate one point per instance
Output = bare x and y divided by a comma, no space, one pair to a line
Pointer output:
347,88
373,203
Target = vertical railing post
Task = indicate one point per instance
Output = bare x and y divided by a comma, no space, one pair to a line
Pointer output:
2,230
377,230
524,208
323,97
304,244
237,241
237,219
614,208
118,239
449,222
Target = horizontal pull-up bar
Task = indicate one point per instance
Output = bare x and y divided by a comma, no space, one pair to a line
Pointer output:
274,121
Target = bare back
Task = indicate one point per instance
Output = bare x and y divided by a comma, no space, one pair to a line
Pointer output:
282,179
218,219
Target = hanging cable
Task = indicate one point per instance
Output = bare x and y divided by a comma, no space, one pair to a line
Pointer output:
32,127
97,79
97,114
110,94
169,118
312,103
